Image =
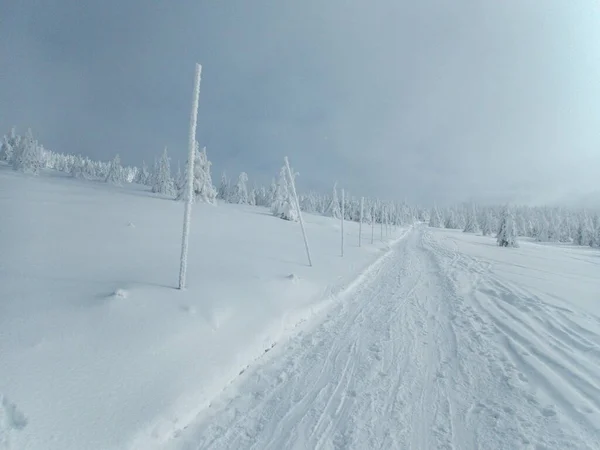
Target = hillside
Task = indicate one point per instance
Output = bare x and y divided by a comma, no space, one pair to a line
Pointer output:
96,343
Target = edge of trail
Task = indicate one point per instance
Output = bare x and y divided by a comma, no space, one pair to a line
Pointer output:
317,313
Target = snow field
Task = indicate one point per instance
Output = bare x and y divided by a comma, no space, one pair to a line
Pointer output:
99,350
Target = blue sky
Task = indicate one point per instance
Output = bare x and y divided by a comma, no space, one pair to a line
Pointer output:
429,101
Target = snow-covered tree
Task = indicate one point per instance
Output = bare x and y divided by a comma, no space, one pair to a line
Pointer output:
487,223
585,231
224,191
450,220
596,233
271,193
541,232
6,150
27,157
240,194
115,174
334,210
142,176
507,229
203,187
162,179
283,202
77,169
471,225
179,178
435,221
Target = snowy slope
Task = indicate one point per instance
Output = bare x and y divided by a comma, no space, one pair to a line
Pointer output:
97,348
452,343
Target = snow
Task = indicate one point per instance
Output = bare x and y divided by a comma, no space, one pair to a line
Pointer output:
99,350
433,339
451,342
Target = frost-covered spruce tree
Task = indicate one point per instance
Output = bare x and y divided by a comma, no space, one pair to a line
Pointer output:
203,187
115,174
435,221
77,169
142,174
541,232
585,232
163,181
224,191
334,210
27,157
89,169
471,225
271,193
240,196
262,197
450,220
507,234
179,178
596,233
283,203
6,151
252,197
487,223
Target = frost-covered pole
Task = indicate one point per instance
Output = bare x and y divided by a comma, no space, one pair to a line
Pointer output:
381,223
362,205
387,223
293,184
187,215
372,224
342,220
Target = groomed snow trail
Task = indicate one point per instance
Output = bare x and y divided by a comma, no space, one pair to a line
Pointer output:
425,354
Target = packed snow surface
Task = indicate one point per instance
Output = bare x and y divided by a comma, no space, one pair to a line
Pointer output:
451,343
434,339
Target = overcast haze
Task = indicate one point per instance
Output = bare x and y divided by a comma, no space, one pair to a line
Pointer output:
425,100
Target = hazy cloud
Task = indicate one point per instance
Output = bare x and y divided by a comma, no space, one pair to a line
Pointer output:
431,100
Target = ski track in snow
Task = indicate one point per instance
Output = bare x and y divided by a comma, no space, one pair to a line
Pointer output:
432,351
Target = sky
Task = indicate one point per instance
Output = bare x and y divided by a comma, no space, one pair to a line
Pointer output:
429,101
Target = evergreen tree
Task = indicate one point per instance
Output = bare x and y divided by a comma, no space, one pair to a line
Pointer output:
240,195
541,233
6,151
435,221
142,175
203,187
224,192
334,210
507,234
585,233
77,169
450,221
115,172
271,193
163,181
471,225
487,223
283,203
27,157
179,178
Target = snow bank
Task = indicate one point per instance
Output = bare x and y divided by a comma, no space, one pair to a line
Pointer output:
97,346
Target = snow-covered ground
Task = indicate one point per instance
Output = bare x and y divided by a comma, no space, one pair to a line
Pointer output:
450,343
98,350
436,339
